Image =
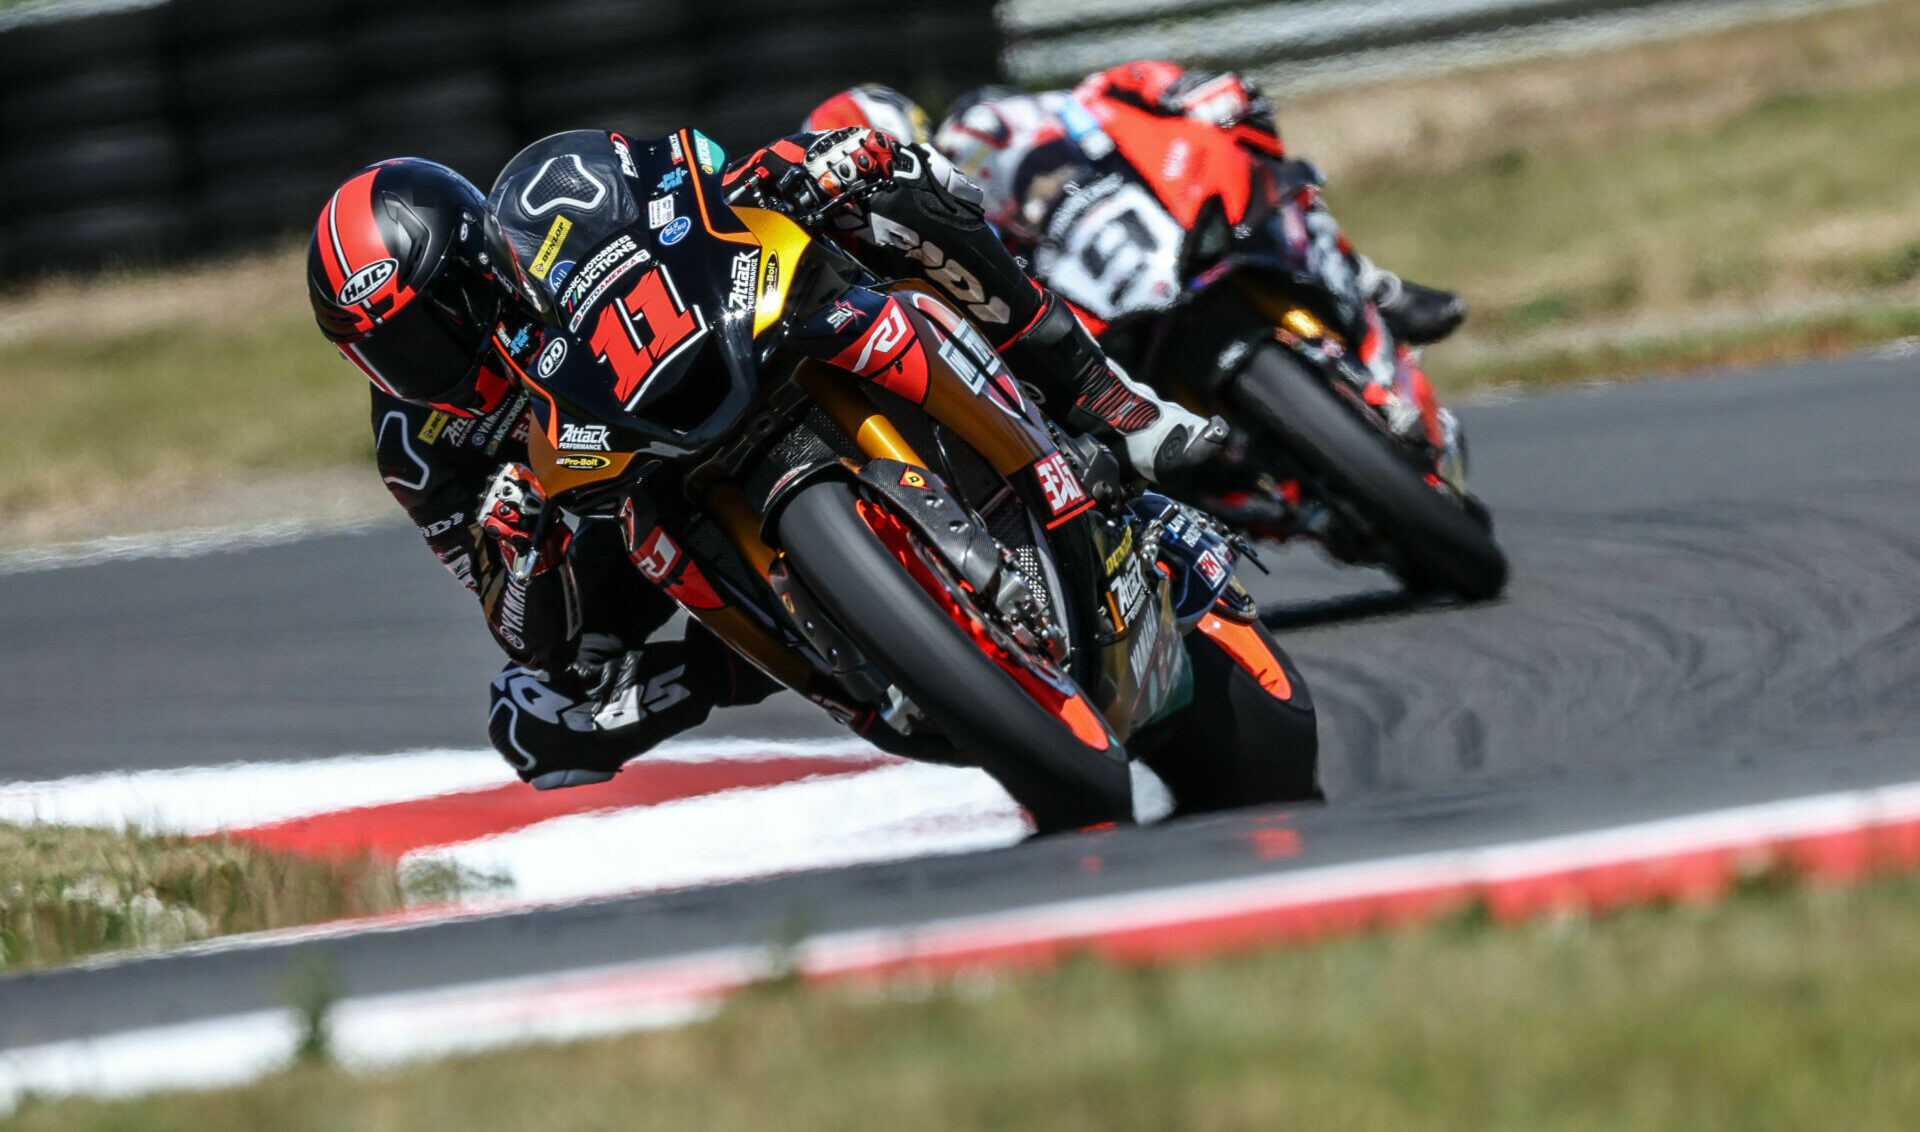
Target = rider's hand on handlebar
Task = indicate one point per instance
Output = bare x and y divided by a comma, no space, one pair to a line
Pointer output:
835,165
510,514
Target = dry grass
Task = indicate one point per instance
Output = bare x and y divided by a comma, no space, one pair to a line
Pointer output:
67,892
1736,196
1789,1010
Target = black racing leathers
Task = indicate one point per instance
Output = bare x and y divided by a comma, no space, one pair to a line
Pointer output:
584,690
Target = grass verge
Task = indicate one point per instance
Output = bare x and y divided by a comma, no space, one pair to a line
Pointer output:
1733,197
67,892
1785,1008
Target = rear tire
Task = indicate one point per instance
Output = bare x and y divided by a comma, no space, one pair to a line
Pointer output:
1062,781
1438,543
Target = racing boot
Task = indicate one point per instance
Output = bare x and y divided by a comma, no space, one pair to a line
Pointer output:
1154,438
1417,315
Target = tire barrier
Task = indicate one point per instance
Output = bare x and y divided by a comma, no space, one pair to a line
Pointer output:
147,131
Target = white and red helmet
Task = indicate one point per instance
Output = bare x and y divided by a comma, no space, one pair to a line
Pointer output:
874,106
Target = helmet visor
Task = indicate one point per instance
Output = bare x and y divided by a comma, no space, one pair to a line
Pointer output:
430,349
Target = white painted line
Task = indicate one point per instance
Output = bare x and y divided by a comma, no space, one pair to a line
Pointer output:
381,1030
186,542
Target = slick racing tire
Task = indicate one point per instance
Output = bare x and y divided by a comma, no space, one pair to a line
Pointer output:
1249,737
1062,779
1436,543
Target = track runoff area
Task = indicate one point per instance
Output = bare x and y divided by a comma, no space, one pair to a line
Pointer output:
1704,668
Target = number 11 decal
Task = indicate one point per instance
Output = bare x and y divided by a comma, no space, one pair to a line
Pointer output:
644,329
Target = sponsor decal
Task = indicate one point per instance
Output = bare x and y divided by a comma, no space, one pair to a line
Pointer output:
1119,555
656,556
957,359
513,613
1057,482
1129,594
842,313
953,277
436,424
625,155
740,296
432,530
507,422
597,264
675,232
559,274
708,153
519,340
659,212
457,430
673,146
551,357
673,179
1145,636
550,247
363,283
912,478
883,340
613,277
584,438
835,708
580,463
1211,568
770,282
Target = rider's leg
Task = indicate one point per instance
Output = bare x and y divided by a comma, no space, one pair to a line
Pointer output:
928,222
1417,315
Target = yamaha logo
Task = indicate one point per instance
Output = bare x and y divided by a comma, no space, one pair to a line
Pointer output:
551,357
366,281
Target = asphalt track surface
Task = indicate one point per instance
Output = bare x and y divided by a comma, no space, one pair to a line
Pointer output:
1715,601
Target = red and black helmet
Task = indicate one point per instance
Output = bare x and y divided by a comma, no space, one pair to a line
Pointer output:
405,275
874,106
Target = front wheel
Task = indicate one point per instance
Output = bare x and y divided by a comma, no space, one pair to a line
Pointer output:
1435,542
1057,759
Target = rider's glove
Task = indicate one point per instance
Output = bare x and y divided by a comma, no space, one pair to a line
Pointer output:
846,159
832,165
510,514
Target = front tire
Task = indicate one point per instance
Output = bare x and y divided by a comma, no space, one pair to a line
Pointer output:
1437,544
1064,781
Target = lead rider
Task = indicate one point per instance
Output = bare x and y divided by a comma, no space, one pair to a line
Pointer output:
408,273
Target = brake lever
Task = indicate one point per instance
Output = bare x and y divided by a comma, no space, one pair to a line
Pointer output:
525,564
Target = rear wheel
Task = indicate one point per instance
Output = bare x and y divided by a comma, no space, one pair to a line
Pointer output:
1435,542
1042,741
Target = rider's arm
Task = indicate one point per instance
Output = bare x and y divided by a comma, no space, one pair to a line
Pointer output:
1224,98
439,479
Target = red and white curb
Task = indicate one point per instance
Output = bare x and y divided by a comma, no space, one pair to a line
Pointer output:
689,813
1839,837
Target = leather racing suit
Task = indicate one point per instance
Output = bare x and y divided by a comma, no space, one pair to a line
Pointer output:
1027,151
583,690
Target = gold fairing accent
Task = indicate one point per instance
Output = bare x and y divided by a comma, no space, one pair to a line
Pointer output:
783,241
854,414
555,477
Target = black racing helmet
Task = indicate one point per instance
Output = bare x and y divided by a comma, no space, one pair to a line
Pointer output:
407,277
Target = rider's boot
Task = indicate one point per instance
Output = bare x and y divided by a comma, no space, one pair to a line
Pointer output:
1417,315
1154,437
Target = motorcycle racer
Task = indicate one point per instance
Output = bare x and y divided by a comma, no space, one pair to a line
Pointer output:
1026,151
411,278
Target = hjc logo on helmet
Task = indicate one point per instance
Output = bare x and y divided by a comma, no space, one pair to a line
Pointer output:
366,281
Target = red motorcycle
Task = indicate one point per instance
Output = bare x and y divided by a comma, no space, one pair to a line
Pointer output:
1213,272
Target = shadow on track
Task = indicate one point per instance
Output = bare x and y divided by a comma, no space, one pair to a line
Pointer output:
1348,607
